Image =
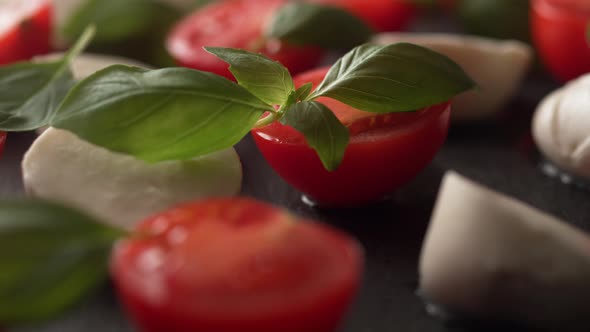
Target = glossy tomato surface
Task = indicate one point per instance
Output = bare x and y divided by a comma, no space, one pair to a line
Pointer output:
237,24
235,264
2,141
381,15
560,30
25,29
385,151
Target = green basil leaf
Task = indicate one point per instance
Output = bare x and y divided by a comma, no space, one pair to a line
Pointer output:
266,79
322,130
114,19
50,257
393,78
200,3
166,114
303,92
312,24
31,92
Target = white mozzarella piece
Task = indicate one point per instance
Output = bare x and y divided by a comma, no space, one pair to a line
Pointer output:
117,188
492,256
561,127
497,66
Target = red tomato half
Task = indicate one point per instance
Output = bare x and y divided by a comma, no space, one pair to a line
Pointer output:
227,265
237,24
385,151
560,35
381,15
2,141
25,29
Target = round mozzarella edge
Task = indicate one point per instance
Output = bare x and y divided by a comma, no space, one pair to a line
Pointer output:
119,189
488,255
497,66
561,127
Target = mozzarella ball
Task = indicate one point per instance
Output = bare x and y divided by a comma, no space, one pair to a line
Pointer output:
497,66
561,127
491,256
117,188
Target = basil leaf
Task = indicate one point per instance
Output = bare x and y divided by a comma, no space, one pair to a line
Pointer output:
312,24
393,78
200,3
304,91
322,130
266,79
115,19
166,114
31,92
50,257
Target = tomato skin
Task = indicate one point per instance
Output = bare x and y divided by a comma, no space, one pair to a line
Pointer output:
2,141
375,162
381,15
559,32
235,264
28,30
237,24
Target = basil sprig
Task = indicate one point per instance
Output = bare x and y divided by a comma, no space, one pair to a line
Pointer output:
156,115
179,113
50,258
31,92
393,78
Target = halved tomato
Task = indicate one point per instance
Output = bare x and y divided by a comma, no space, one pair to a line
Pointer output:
25,29
385,151
237,24
560,30
381,15
226,265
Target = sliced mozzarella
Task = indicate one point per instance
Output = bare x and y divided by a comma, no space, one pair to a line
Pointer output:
497,66
561,127
489,255
120,189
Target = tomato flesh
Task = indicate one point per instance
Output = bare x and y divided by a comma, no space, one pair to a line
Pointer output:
560,35
385,151
236,264
2,141
381,15
25,29
237,24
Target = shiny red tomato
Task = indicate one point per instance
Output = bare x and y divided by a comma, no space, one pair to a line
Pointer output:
226,265
560,35
25,29
381,15
2,141
385,151
237,24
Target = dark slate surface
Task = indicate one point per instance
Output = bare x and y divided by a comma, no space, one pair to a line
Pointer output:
497,153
